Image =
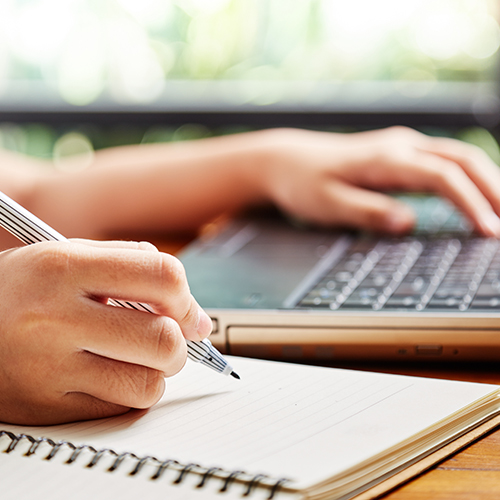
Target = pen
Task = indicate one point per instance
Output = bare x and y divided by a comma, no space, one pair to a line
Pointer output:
30,229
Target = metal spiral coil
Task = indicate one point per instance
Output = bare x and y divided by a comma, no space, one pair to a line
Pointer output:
226,477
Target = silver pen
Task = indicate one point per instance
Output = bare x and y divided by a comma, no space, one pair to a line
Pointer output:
30,229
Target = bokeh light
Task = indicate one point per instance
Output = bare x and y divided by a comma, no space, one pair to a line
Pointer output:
130,51
257,51
73,151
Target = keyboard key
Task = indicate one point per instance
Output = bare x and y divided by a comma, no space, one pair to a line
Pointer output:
486,303
406,302
444,303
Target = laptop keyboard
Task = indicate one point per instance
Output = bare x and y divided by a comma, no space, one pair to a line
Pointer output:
425,271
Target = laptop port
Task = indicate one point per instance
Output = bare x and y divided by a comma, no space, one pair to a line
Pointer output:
428,350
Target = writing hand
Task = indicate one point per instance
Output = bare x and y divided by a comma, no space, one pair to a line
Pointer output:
65,354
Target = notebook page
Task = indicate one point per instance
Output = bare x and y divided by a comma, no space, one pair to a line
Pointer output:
301,422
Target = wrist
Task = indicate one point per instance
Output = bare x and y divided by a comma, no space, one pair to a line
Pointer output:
265,155
255,154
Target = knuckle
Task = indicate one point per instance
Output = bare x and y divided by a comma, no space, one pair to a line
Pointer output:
146,246
389,156
53,262
192,315
475,155
147,386
469,149
448,173
172,271
51,257
470,155
401,132
171,350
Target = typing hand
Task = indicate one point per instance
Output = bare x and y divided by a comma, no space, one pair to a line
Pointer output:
65,354
336,179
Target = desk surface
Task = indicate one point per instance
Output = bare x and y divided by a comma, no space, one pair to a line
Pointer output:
472,473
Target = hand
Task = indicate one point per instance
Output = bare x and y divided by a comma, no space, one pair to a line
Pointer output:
65,354
333,179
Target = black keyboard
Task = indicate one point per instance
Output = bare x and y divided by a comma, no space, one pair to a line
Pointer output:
413,274
442,266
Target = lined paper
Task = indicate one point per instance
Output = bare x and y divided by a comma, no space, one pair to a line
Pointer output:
301,422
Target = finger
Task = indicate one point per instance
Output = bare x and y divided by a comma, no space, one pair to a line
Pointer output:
134,245
78,406
483,171
370,210
130,336
154,278
116,382
54,407
445,177
424,171
71,407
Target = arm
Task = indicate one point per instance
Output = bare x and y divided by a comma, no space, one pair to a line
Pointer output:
162,187
333,179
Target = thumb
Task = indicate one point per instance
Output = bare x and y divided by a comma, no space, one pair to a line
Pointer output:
370,210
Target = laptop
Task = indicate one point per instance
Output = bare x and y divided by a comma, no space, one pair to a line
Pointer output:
276,289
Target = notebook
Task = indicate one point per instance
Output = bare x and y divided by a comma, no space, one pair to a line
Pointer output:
283,431
278,289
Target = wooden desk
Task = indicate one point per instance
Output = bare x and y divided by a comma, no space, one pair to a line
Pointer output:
472,473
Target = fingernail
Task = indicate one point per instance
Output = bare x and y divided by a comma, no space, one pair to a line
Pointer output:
400,220
205,324
491,222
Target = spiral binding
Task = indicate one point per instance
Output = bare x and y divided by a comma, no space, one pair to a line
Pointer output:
251,481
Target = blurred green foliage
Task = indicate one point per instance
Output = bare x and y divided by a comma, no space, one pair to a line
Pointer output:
129,49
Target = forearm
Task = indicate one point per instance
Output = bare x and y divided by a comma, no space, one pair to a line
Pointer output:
18,176
164,187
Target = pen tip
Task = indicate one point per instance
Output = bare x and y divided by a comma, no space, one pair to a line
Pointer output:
235,375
